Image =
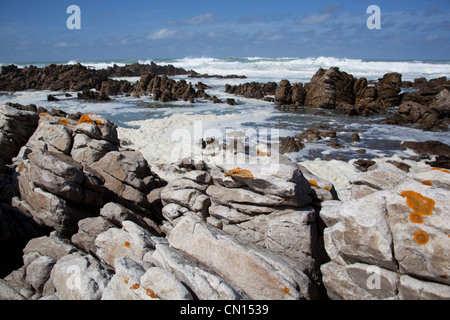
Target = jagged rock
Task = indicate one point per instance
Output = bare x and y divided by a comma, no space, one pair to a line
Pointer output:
88,230
57,191
202,281
16,127
260,274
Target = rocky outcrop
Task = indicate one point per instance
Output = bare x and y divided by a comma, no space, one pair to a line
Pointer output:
163,89
387,240
52,77
427,109
265,228
252,90
16,127
138,70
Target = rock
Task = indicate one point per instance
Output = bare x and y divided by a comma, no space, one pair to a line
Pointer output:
259,274
98,127
202,281
366,216
414,289
55,137
88,230
330,88
289,144
78,277
53,246
359,282
231,102
420,240
16,127
38,272
363,165
126,283
128,176
131,241
164,89
89,151
52,98
91,95
8,293
388,89
54,188
428,148
428,109
161,283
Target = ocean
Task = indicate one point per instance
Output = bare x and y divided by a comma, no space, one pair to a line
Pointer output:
149,126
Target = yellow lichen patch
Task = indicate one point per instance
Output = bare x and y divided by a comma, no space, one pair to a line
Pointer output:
415,218
441,169
135,286
418,203
151,294
127,244
314,184
241,173
421,237
86,118
63,121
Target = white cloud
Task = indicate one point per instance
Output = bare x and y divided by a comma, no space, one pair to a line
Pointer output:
65,44
161,34
202,18
315,19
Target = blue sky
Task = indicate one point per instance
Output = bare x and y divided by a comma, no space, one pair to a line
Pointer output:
137,29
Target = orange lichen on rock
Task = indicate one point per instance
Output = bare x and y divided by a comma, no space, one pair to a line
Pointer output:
418,203
314,184
63,121
427,183
86,118
126,280
327,188
241,173
415,218
127,244
135,286
441,169
286,290
421,237
151,294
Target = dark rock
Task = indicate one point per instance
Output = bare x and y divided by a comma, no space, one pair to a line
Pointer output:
289,144
91,95
329,89
363,165
440,162
401,165
355,137
51,97
428,148
388,89
231,102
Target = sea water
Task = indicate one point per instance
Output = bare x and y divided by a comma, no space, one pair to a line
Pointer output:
149,125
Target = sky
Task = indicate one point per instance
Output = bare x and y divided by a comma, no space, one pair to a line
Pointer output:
32,31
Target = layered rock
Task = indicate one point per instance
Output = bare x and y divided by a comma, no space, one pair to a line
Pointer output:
389,236
16,127
432,112
164,89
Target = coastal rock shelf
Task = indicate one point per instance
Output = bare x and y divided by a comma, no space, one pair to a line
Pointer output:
83,217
